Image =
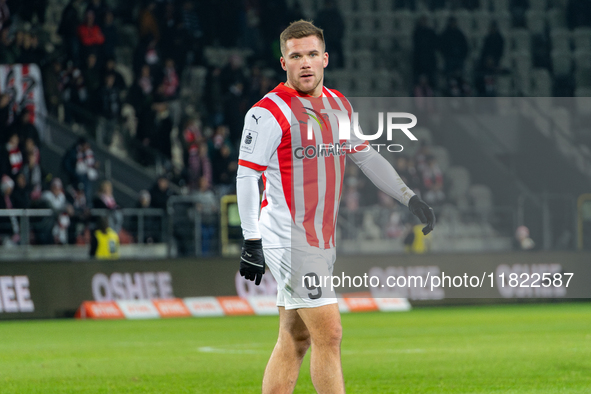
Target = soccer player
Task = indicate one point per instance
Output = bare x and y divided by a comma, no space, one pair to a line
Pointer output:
302,169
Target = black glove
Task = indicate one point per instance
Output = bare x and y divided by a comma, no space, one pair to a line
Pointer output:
252,261
424,212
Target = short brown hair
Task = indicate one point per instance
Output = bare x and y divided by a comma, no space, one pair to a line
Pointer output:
300,29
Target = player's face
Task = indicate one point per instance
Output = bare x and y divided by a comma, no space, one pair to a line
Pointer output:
304,61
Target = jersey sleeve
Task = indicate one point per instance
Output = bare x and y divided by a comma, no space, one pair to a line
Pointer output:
261,137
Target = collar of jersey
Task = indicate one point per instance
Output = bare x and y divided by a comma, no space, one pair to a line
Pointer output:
294,92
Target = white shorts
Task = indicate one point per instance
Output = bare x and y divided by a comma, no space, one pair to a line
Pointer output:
299,273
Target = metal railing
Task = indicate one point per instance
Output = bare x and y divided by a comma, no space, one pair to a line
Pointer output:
141,224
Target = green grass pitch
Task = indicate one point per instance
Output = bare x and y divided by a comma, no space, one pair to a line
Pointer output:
487,349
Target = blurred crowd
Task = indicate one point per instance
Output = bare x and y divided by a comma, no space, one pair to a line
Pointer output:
133,103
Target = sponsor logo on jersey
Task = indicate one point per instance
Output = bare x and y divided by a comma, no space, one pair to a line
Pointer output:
249,141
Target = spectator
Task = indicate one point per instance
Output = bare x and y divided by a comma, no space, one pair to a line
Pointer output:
493,46
4,116
9,226
34,175
79,102
81,213
432,182
160,193
330,19
90,35
162,130
225,167
144,199
111,68
52,88
147,23
111,36
485,78
79,164
12,160
8,49
423,93
104,199
170,35
141,92
31,149
518,9
454,48
68,30
207,206
21,195
99,9
152,224
4,15
92,75
192,34
578,13
169,86
146,52
26,128
424,48
104,241
198,166
31,52
56,199
408,173
109,106
30,8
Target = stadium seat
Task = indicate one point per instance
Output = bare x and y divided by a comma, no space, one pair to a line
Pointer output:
582,38
504,21
404,21
345,6
583,68
501,5
440,18
560,39
481,197
504,86
442,156
459,182
465,21
556,18
366,6
520,40
561,62
583,92
482,21
387,23
124,55
423,134
538,5
125,72
522,71
385,6
541,83
536,21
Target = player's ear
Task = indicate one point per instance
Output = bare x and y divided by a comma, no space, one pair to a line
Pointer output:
282,61
325,59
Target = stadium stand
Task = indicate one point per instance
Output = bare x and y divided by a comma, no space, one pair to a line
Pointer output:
214,77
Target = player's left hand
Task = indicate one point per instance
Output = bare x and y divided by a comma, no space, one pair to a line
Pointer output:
252,261
425,213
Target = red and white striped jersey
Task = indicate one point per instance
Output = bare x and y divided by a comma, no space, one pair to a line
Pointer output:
303,176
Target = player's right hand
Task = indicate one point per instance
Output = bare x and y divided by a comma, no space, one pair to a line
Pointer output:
425,213
252,260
